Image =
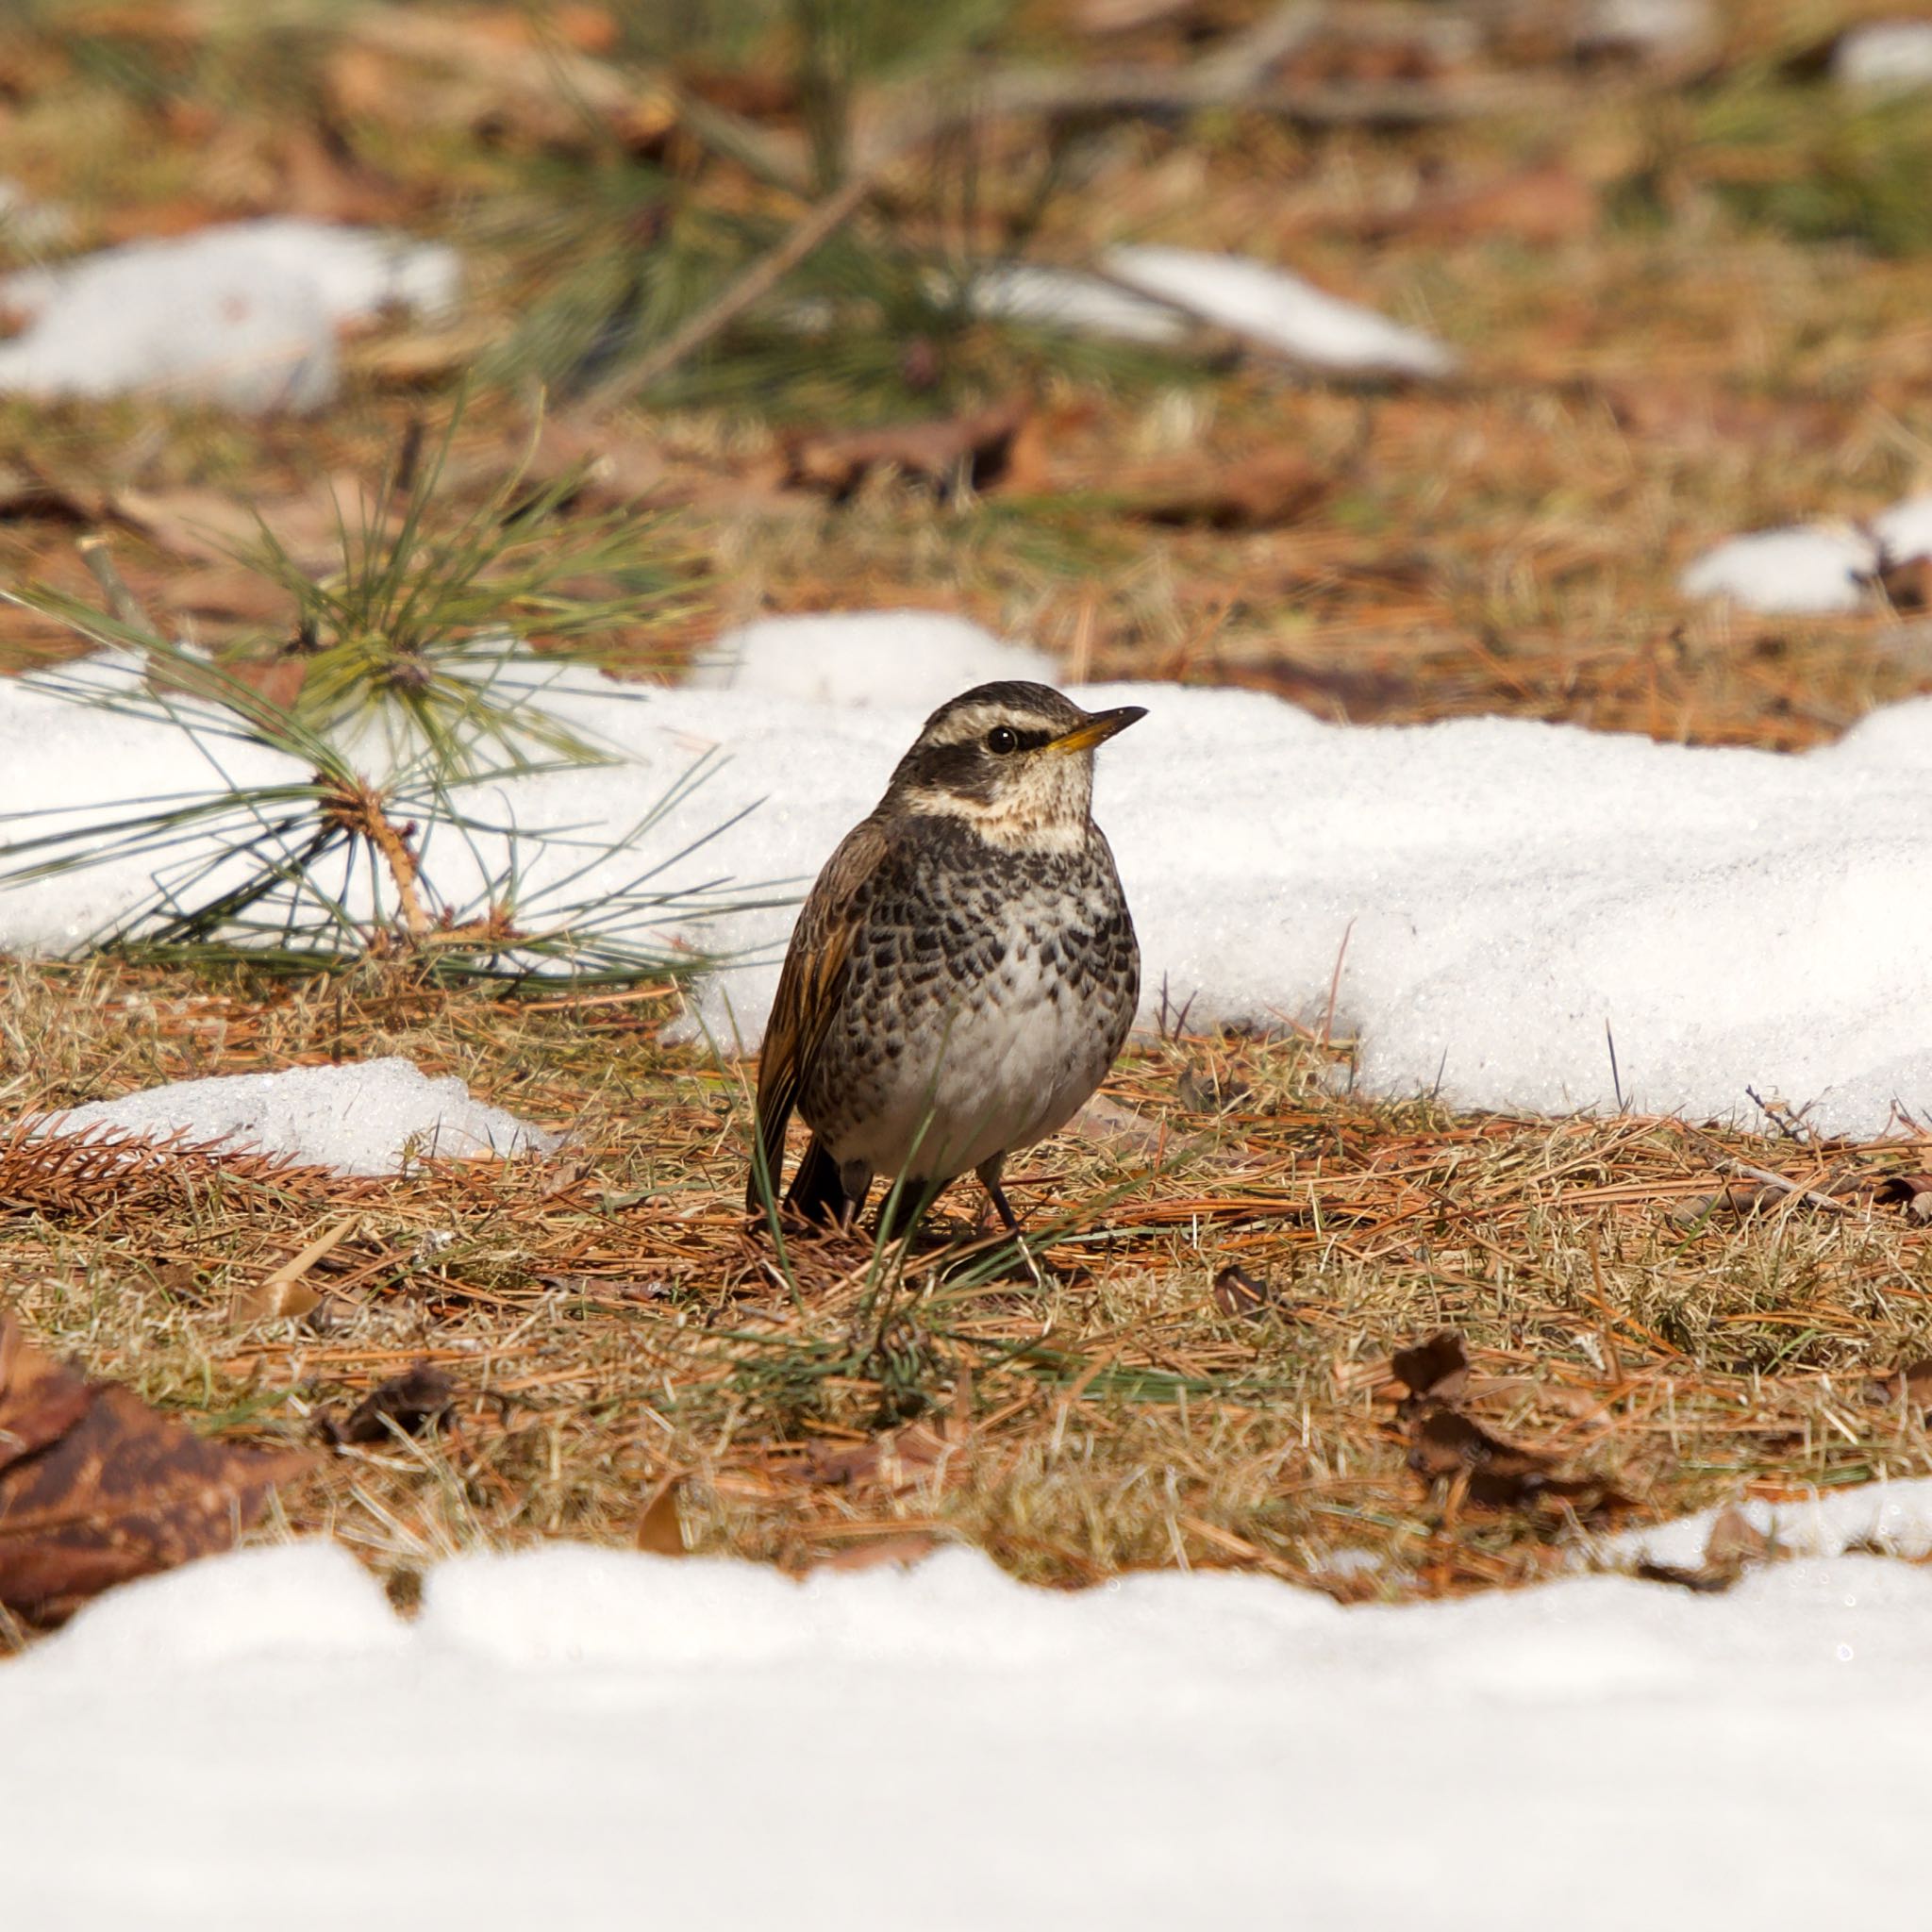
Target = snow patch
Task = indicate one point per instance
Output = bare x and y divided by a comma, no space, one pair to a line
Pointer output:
366,1117
1885,56
1289,1748
1272,306
887,658
243,314
1505,889
308,1600
1809,568
1896,1518
1066,298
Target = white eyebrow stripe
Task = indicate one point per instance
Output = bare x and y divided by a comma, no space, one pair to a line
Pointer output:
964,727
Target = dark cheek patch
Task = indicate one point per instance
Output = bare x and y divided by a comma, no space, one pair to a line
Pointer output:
965,770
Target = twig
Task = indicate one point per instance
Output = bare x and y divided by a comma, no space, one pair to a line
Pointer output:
121,602
1766,1178
757,281
1335,984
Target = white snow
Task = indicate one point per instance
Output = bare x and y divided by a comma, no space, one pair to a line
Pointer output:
1652,29
1272,306
1885,56
1896,1518
901,660
598,1739
1812,569
1804,568
362,1117
1505,889
243,314
1904,532
1066,298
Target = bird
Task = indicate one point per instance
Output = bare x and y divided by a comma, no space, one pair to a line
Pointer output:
963,972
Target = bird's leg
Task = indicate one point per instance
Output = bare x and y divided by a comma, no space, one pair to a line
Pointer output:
854,1182
989,1174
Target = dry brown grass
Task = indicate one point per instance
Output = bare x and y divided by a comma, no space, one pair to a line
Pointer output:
629,1361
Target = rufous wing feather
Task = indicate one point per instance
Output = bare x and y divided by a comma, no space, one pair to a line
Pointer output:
809,986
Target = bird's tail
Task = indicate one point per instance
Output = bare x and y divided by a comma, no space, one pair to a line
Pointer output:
817,1192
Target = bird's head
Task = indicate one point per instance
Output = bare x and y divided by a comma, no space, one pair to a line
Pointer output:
1015,760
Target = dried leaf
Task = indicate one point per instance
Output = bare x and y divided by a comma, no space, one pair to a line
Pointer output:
213,528
27,491
1735,1540
1739,1201
1105,1122
417,1401
660,1527
837,462
287,1291
1911,1382
895,1460
96,1487
423,355
1911,1191
1261,492
229,591
1735,1544
1237,1292
1437,1367
40,1401
1445,1446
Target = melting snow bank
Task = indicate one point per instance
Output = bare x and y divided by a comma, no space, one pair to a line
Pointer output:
243,314
578,1737
369,1117
1504,890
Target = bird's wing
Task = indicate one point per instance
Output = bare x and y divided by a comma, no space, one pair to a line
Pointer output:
808,990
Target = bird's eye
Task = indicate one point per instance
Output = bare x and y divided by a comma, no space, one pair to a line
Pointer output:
1002,738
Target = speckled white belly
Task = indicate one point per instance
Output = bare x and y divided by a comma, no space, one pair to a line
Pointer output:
1009,1067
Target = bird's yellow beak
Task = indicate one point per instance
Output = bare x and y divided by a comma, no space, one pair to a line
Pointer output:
1098,728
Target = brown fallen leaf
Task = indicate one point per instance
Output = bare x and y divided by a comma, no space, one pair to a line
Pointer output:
1237,1292
1911,1191
1910,1383
96,1487
229,591
660,1527
423,355
838,460
1740,1201
210,528
1260,492
418,1401
1437,1367
896,1459
287,1290
1734,1545
1445,1447
40,1401
27,491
